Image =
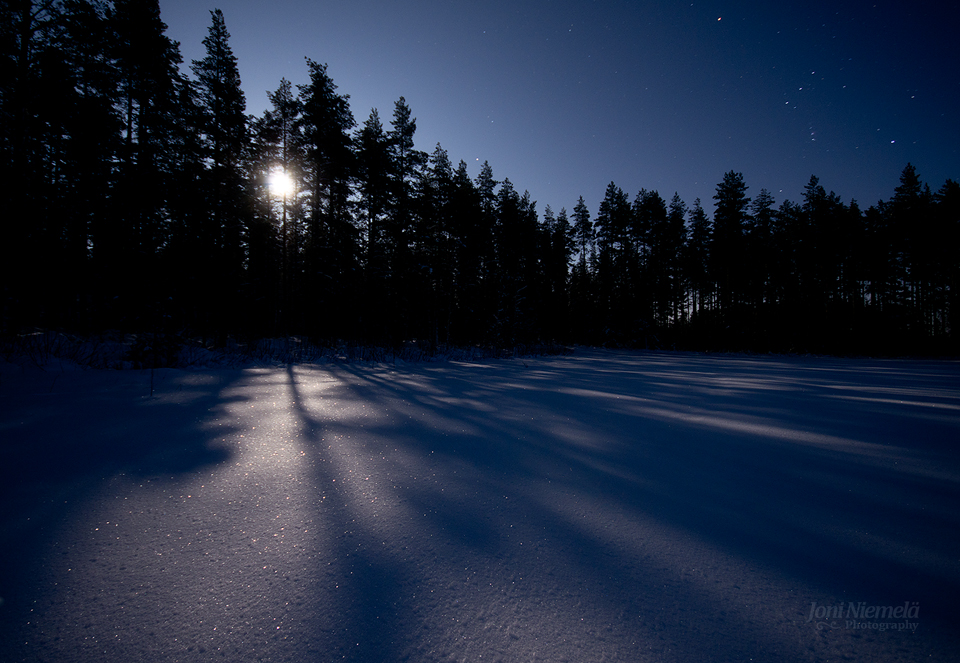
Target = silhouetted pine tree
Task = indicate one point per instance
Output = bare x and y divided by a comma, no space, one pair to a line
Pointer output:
471,253
190,250
947,319
129,243
434,273
911,220
277,231
405,167
25,34
513,295
373,190
759,296
614,249
652,256
727,251
815,260
582,299
486,249
137,198
673,239
558,249
57,100
223,127
329,305
696,260
532,244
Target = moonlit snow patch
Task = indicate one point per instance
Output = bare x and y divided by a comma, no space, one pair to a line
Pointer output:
604,506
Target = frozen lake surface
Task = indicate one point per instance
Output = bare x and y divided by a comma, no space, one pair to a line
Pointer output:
603,506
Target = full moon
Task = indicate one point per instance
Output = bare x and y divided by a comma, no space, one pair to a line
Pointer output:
280,183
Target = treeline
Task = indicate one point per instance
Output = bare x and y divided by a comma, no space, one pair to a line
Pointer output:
139,198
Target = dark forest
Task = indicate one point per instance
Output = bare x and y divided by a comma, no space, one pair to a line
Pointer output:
141,198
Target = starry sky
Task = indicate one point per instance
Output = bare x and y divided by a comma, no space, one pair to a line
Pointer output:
564,96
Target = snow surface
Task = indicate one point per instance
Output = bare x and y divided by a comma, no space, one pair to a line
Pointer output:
603,506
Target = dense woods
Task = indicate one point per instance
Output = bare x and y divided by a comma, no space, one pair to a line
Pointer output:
139,198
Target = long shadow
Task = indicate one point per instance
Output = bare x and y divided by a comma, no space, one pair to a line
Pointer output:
368,580
64,436
773,480
505,466
76,427
832,520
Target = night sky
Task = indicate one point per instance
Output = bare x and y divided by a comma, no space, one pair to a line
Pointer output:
563,97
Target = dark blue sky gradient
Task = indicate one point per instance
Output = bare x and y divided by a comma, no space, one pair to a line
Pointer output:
563,97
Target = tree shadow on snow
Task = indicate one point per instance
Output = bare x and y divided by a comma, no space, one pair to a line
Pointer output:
65,435
800,481
367,627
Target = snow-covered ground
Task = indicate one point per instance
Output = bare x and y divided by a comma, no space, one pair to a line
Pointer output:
603,506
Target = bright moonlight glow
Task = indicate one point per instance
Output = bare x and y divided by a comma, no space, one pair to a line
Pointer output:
280,183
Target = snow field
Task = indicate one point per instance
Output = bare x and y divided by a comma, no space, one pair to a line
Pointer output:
605,506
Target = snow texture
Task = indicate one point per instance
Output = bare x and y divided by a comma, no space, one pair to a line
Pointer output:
602,506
